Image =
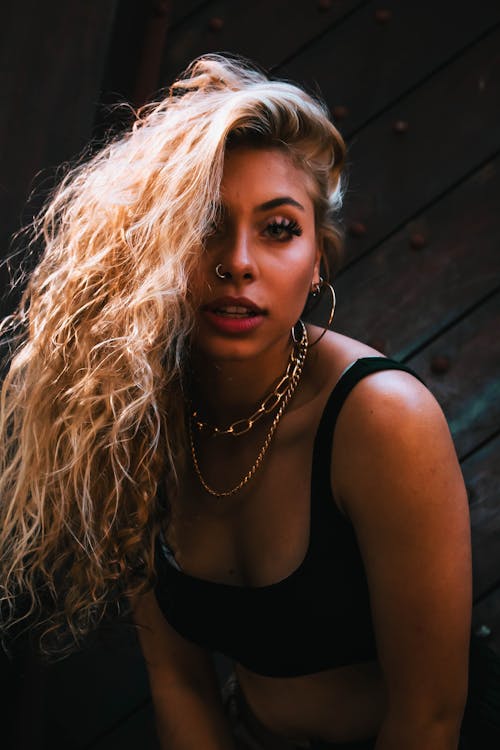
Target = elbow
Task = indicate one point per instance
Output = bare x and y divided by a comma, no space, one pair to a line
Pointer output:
434,724
438,700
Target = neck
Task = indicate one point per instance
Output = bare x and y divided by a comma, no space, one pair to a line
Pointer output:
224,390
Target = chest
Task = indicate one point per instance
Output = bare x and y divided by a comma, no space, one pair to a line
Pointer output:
255,586
260,534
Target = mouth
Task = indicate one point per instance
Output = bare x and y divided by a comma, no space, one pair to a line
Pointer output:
234,308
233,316
234,312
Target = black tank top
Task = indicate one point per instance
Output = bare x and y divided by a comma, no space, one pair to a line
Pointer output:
316,618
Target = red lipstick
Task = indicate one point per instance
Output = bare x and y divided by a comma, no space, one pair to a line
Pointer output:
233,314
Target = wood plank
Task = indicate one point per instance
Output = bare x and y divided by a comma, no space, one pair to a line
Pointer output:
401,297
68,38
364,65
266,32
184,10
469,392
395,176
481,472
47,116
133,61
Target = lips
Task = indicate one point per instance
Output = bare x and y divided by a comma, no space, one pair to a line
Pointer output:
233,315
234,307
234,312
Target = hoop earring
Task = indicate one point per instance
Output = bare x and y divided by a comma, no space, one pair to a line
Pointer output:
223,275
303,332
315,293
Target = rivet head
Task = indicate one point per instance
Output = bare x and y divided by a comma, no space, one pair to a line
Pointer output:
324,4
382,15
418,241
340,112
483,631
400,126
440,364
357,229
216,23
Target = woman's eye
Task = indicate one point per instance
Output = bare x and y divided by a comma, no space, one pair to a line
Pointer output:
283,229
215,228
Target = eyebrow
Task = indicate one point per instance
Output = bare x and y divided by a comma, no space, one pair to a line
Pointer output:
275,202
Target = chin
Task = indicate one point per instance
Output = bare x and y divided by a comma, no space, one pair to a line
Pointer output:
226,351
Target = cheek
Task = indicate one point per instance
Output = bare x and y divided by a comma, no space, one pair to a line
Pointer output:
201,279
296,279
300,271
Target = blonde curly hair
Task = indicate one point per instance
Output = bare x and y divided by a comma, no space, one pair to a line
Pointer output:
91,411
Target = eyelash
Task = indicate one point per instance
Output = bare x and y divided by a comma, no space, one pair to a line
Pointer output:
290,226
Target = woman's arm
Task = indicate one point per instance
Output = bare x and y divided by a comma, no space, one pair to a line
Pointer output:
183,685
401,485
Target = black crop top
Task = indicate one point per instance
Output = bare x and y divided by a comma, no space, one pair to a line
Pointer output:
316,618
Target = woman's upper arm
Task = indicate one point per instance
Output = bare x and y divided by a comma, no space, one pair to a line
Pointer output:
401,485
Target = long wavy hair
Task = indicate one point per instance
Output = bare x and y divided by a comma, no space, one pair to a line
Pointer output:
91,412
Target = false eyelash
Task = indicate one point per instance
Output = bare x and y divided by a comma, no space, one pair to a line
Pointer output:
289,225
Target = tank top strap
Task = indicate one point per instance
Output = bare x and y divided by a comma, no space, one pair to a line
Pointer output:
355,372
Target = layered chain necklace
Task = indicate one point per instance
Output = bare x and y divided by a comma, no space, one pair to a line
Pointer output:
279,397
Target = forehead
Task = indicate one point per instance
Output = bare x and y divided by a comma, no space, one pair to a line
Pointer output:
255,175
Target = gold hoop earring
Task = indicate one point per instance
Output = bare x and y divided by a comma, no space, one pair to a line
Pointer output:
303,332
322,284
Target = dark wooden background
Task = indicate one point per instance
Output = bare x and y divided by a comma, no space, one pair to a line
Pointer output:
415,89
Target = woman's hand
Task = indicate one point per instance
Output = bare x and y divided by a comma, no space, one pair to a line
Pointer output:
401,485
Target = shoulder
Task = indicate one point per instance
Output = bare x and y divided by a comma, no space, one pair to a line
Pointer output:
391,397
393,447
393,406
390,426
388,400
375,392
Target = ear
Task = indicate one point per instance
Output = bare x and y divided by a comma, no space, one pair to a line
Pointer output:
317,265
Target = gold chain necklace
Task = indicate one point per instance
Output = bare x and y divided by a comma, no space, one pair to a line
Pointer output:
297,360
269,404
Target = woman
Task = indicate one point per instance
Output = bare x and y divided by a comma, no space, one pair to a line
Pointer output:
177,437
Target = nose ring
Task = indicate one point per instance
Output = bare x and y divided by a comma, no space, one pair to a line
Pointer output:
218,272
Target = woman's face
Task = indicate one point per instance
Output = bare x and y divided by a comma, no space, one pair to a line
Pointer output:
265,245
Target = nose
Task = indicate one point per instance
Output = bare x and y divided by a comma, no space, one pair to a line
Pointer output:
236,259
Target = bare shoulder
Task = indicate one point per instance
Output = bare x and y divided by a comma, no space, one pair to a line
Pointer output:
392,444
387,413
389,404
389,394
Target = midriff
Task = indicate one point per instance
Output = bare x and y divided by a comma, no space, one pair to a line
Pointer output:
345,704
